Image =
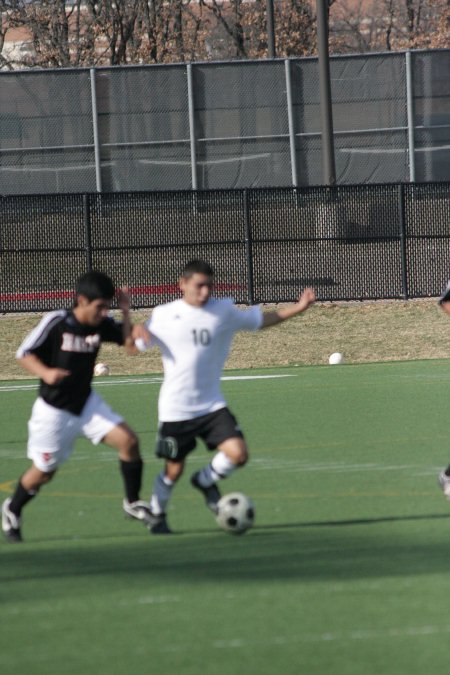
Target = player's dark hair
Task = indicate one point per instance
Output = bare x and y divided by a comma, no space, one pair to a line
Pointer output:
95,285
197,267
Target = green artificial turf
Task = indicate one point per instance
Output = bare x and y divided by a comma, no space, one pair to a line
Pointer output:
345,571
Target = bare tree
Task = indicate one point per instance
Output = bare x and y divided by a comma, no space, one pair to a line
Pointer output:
242,28
376,25
389,23
229,16
66,33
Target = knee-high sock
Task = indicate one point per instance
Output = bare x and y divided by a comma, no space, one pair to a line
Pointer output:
162,490
220,467
132,478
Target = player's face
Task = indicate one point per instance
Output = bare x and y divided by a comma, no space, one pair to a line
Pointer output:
92,312
196,289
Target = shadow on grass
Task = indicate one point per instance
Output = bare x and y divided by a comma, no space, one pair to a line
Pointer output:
316,551
358,521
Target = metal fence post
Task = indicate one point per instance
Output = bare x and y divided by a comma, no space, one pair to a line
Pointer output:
87,230
326,106
291,123
402,224
98,167
410,114
190,84
248,249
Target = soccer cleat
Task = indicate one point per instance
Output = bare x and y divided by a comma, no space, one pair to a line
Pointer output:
160,525
139,510
211,494
444,482
10,522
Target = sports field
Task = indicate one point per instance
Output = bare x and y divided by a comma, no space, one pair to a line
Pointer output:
346,571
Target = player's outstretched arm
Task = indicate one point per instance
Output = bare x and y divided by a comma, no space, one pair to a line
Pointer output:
36,367
305,300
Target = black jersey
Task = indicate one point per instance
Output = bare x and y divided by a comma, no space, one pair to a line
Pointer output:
61,341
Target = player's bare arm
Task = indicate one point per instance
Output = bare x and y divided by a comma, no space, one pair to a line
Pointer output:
35,366
140,338
305,300
123,301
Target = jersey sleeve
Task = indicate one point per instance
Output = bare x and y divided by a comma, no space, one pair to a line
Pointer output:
111,331
38,341
246,319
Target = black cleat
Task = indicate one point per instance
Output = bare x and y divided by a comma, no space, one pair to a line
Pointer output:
160,525
10,523
211,494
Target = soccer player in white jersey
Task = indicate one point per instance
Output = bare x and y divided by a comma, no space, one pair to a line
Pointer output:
194,335
61,351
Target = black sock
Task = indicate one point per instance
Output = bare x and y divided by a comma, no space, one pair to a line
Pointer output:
20,498
132,478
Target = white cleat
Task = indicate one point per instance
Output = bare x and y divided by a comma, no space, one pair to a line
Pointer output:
139,510
444,482
10,523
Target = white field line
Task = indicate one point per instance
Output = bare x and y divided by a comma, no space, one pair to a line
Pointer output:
142,380
362,635
312,638
43,609
256,464
274,463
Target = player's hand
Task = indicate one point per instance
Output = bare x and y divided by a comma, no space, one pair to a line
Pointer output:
55,375
123,299
306,299
445,305
141,336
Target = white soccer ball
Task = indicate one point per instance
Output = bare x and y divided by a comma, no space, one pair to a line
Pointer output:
101,369
236,513
336,358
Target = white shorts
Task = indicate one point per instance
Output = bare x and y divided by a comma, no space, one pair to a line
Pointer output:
52,432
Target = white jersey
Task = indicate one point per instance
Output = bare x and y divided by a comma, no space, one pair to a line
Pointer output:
195,342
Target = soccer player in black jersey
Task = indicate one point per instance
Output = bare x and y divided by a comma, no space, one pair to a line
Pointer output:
61,351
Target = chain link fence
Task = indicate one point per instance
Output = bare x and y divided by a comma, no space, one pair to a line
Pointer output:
348,242
229,125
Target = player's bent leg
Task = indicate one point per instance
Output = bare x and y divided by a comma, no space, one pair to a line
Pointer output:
210,492
125,441
232,454
174,470
162,491
235,450
101,424
34,478
11,523
27,488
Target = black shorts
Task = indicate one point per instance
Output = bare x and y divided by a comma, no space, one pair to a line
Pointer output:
213,429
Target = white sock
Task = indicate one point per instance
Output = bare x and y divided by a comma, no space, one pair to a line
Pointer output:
162,489
220,467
